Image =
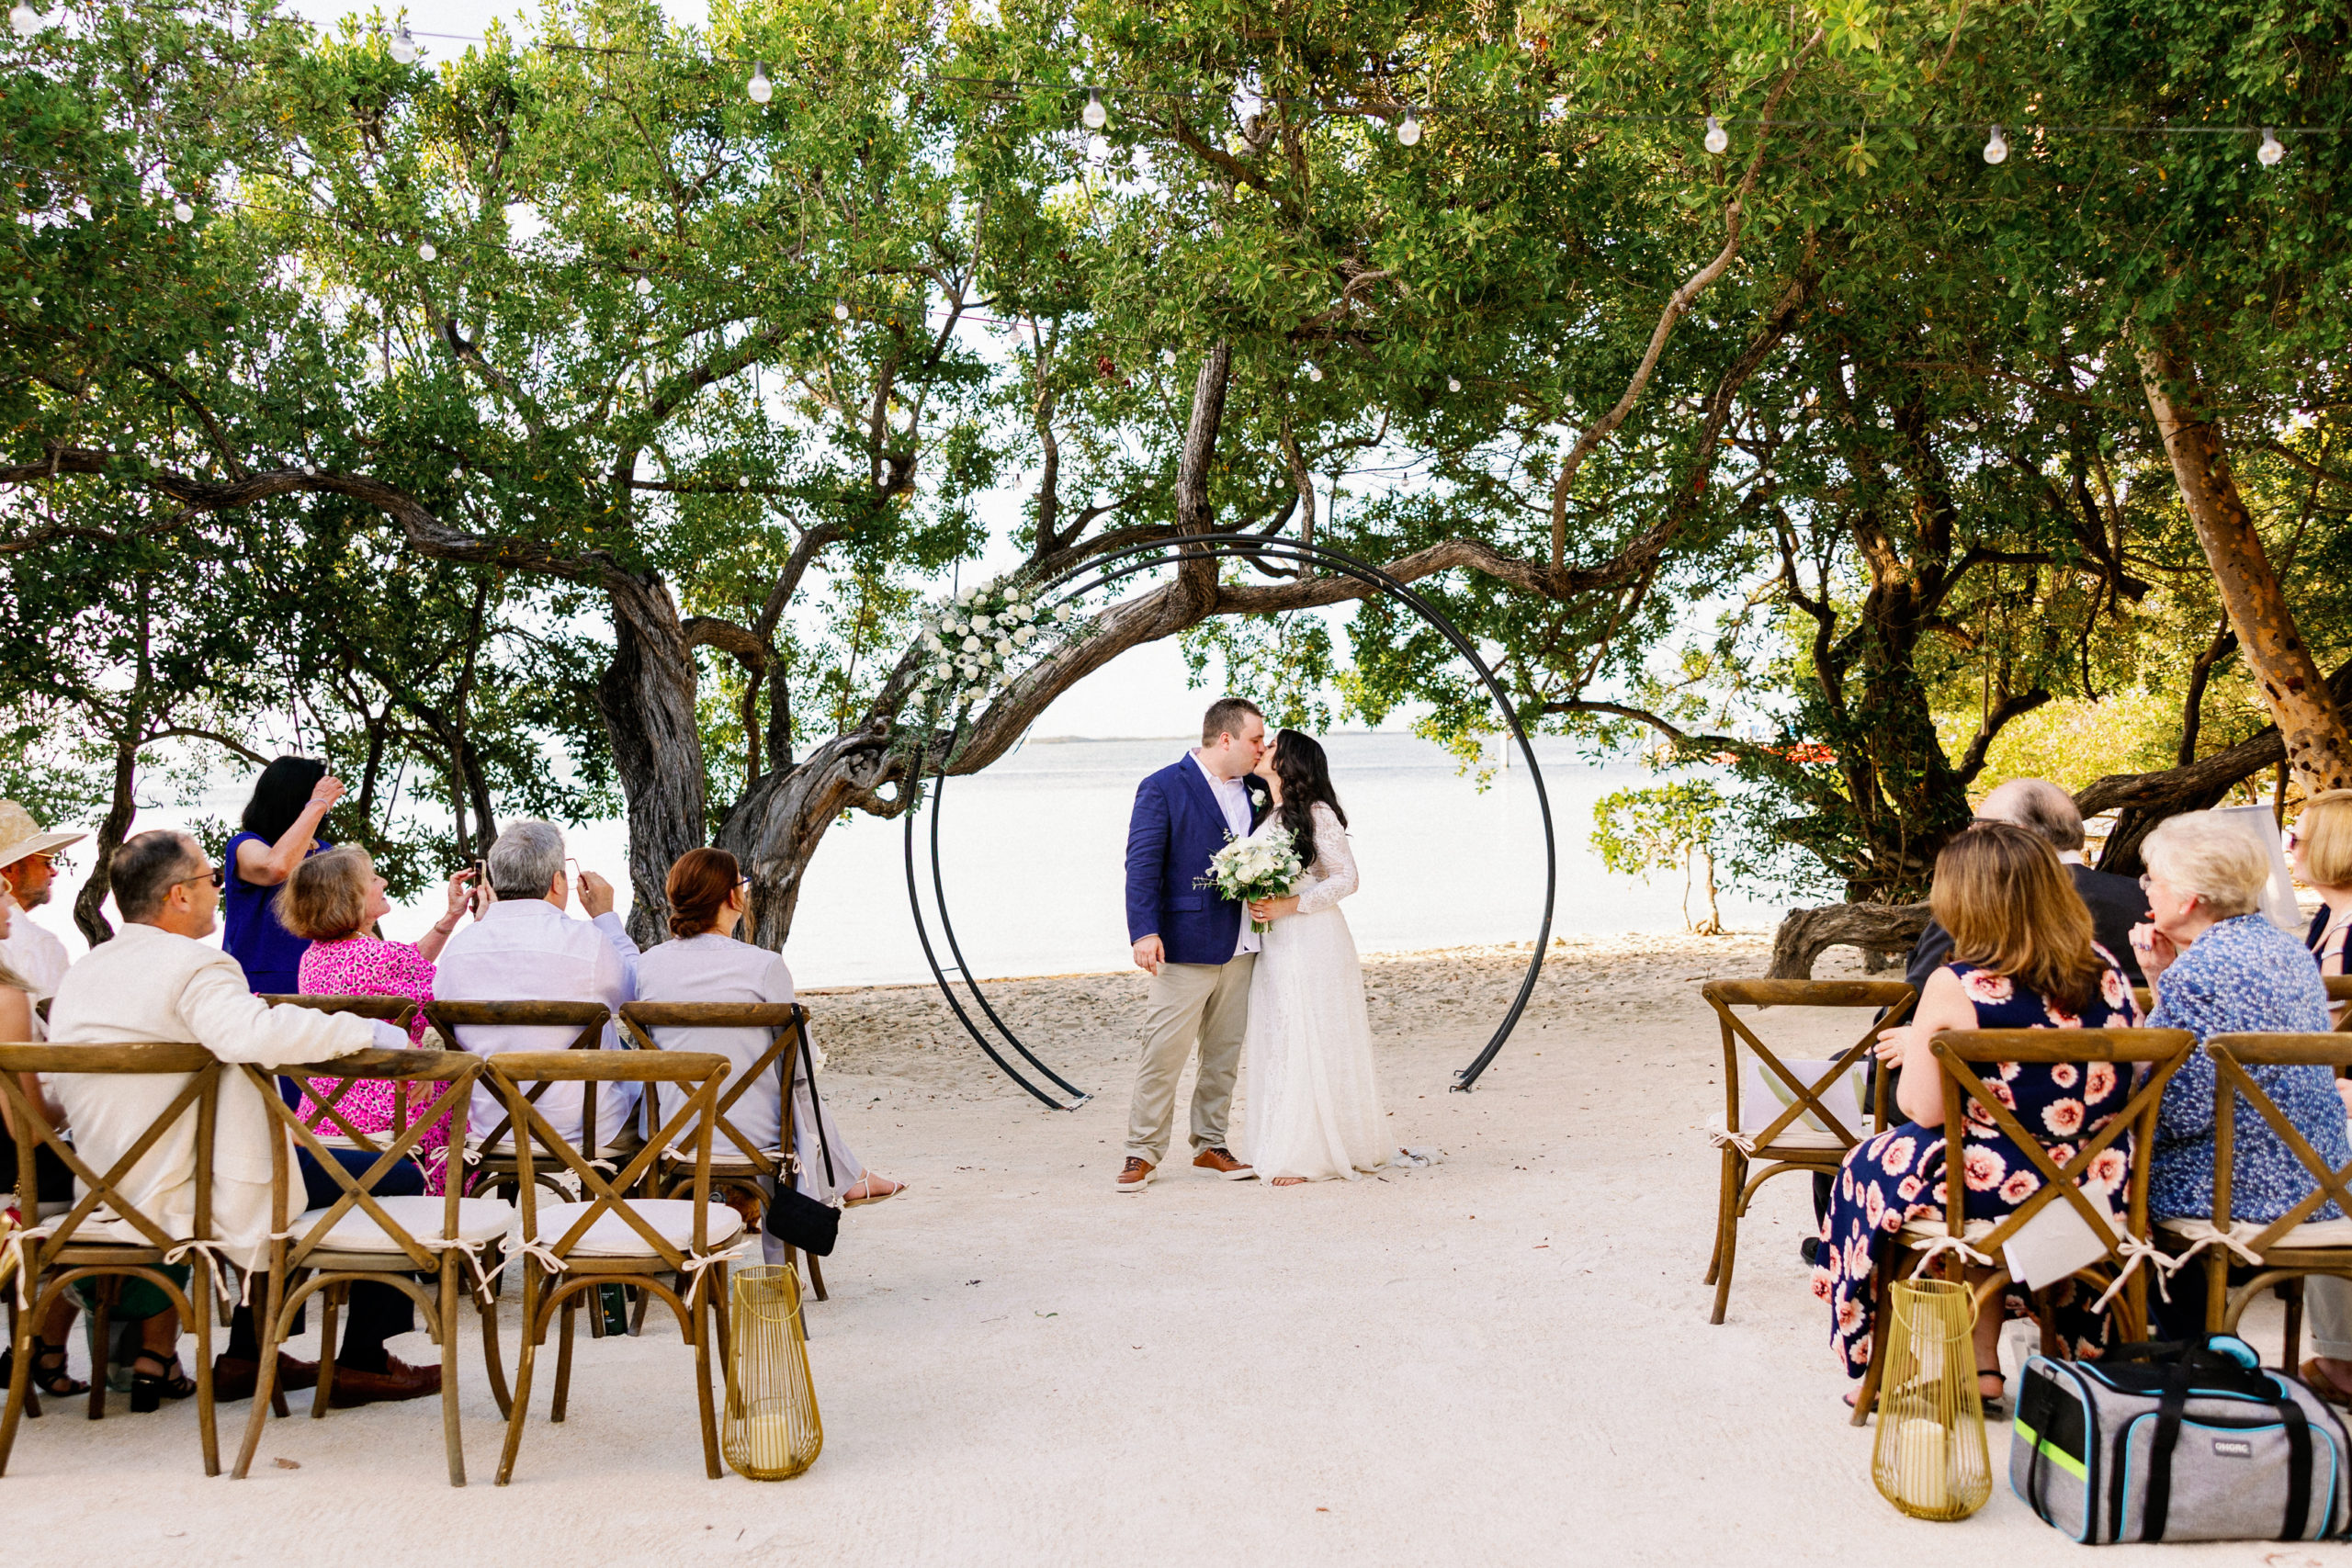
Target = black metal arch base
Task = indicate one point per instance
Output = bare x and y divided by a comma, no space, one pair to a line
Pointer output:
1153,555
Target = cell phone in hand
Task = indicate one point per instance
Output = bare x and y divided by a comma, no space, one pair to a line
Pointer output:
480,891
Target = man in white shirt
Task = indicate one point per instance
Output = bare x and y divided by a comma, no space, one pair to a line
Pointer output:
524,947
158,980
28,863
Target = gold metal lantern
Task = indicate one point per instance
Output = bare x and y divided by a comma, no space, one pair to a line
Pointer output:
772,1431
1930,1459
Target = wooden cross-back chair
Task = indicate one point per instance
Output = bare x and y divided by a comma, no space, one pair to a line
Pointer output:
387,1240
2339,993
398,1012
737,1162
1805,1135
488,1156
2293,1246
48,1256
1958,1054
612,1236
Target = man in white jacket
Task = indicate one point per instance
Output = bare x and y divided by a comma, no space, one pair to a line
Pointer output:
157,981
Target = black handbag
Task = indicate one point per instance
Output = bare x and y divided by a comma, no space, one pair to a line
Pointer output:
794,1218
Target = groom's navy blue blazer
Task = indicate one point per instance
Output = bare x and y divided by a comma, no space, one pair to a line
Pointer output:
1176,829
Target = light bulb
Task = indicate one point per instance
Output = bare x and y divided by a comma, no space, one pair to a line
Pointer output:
1314,372
25,19
1453,383
1408,129
745,482
644,287
1167,357
427,252
840,309
184,212
1996,147
1718,140
1095,115
404,48
2271,150
1098,149
761,88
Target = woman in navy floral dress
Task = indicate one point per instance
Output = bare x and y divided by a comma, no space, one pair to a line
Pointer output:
2023,959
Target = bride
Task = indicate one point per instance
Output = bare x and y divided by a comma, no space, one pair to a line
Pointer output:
1315,1111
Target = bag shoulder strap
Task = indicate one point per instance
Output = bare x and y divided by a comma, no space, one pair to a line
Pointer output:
816,1106
2298,1470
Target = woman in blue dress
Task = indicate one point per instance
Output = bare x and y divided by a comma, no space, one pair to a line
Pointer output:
2022,958
279,830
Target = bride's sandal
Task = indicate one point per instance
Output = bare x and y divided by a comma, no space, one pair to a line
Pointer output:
1288,1181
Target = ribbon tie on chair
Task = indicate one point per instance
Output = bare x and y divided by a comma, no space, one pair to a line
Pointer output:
2136,1252
1719,1136
1936,1245
516,1247
12,1250
692,1272
220,1270
2219,1238
465,1251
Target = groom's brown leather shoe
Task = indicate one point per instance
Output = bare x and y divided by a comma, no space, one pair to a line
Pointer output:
1135,1175
1224,1164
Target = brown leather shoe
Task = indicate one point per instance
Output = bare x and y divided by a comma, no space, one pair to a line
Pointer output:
233,1377
1135,1175
397,1381
1221,1160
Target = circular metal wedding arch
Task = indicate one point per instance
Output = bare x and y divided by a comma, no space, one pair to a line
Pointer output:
1101,571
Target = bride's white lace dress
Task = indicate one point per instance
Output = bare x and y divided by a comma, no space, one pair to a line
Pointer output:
1314,1102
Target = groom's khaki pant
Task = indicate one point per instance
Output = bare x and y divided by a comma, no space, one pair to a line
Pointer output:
1208,1002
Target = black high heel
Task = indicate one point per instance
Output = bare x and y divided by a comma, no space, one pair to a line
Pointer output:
148,1391
48,1370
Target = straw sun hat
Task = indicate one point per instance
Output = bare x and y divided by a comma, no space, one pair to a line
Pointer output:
21,836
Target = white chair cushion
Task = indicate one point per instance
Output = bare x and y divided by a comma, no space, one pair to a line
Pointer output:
1795,1136
479,1220
1920,1232
611,1236
2319,1233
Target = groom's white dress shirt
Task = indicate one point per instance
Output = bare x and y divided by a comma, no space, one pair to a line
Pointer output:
1233,799
527,950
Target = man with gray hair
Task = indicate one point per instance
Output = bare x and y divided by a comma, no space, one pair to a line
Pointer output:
2115,902
524,947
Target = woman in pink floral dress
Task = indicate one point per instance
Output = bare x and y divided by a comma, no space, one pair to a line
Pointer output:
2023,959
335,900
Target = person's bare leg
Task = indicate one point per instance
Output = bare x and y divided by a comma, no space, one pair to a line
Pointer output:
1987,1335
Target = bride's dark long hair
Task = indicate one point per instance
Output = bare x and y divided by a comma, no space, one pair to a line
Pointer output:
1305,779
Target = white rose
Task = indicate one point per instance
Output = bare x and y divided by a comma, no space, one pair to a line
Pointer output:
971,645
1023,635
979,623
1028,612
985,659
1004,645
931,641
1061,612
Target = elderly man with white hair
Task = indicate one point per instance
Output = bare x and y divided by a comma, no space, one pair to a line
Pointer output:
524,948
2115,903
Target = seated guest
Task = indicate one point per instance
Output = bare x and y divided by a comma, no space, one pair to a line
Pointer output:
524,947
2115,903
52,1178
2022,958
28,866
333,901
702,962
2220,966
158,980
2321,845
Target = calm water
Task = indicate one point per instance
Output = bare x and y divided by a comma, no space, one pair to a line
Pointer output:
1034,857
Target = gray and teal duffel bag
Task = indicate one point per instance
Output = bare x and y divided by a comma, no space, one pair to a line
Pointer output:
2179,1442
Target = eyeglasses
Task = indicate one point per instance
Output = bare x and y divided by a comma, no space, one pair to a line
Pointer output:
217,875
2292,837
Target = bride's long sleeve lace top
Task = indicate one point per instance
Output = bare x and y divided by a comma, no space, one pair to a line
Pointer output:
1332,876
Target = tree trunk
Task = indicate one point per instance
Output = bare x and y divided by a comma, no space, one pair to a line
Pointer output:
646,698
89,905
2318,747
1805,934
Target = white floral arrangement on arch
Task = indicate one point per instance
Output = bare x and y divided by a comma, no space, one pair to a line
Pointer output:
975,642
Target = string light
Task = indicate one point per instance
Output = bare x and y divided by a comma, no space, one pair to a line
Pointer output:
183,211
1717,140
1996,147
25,19
743,482
2271,150
1314,371
1408,129
1453,383
840,309
426,252
761,88
1095,115
404,47
644,286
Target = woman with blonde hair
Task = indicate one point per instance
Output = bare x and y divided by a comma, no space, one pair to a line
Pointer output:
2220,966
2318,846
2023,957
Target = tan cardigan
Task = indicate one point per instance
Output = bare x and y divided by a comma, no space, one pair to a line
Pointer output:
148,984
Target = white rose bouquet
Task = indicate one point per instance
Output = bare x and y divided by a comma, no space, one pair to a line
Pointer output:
1248,869
972,643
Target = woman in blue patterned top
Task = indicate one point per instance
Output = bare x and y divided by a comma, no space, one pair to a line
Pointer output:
2220,966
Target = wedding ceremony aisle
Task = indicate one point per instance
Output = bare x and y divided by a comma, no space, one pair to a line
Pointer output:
1502,1359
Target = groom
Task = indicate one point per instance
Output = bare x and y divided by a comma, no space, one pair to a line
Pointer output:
1192,942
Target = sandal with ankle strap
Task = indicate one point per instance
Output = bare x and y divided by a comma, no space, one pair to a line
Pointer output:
149,1390
48,1370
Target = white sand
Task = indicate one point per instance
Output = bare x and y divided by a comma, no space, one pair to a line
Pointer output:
1503,1359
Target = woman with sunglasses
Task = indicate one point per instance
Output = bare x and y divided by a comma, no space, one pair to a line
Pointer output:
703,961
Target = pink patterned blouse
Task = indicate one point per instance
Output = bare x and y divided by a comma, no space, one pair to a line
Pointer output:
369,966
